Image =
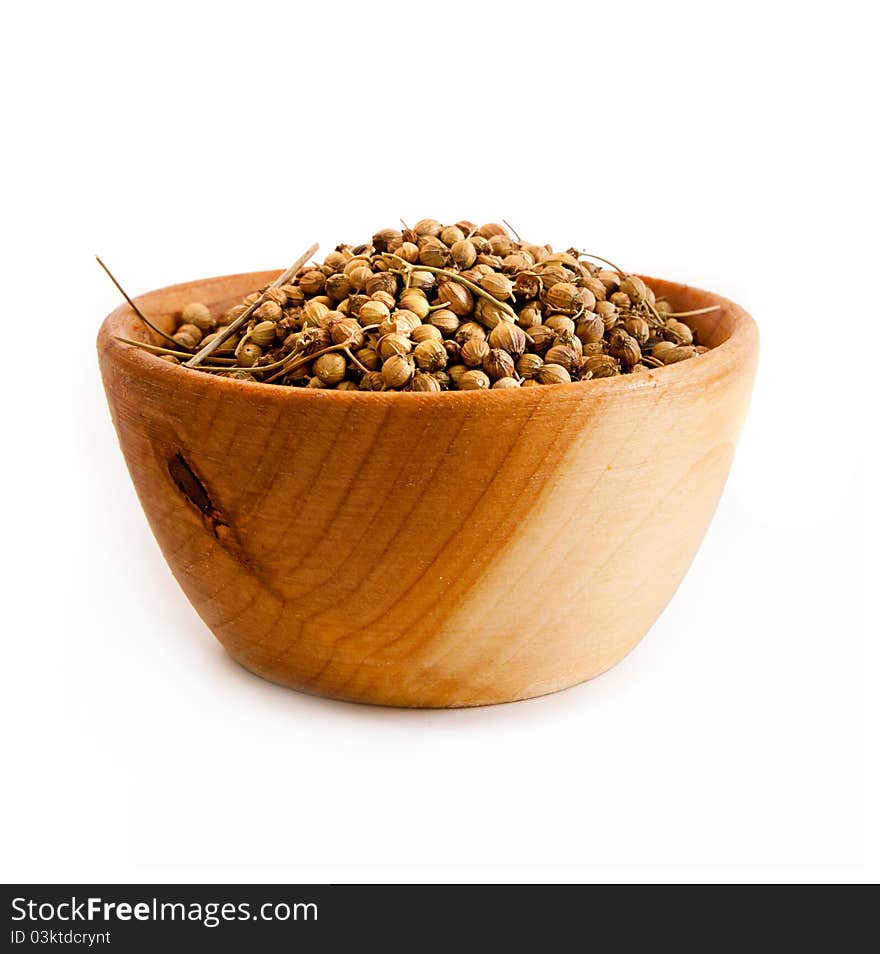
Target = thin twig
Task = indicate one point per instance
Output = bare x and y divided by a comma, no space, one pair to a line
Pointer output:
619,271
135,308
253,368
652,309
696,311
512,229
355,360
157,349
231,329
302,359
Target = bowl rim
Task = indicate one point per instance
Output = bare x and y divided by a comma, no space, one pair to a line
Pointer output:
738,348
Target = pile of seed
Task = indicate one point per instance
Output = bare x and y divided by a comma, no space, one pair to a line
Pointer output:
442,307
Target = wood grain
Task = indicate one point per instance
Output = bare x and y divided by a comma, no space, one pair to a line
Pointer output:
438,550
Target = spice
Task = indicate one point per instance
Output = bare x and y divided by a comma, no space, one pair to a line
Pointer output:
197,314
529,365
330,368
430,355
433,308
553,374
498,364
473,381
474,352
397,371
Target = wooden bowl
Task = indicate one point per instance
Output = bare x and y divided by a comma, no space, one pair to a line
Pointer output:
437,550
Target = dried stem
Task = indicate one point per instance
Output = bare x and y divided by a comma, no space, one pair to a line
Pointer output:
599,258
656,314
135,308
354,360
231,329
696,311
292,362
454,276
512,229
158,349
253,369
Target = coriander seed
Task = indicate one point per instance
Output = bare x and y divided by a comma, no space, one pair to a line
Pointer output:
473,381
397,371
438,307
553,374
330,368
474,352
430,355
497,364
197,314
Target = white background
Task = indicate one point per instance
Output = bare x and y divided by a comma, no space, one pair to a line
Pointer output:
727,146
